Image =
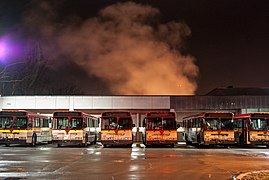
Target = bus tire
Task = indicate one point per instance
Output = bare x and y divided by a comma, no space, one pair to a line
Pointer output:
34,139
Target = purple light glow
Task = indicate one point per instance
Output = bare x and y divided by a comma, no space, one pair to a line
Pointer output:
10,50
2,51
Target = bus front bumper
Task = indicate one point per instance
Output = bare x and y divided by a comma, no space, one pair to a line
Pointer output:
260,142
161,142
116,142
69,142
219,142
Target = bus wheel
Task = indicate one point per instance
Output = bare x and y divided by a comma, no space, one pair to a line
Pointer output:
33,140
267,146
7,145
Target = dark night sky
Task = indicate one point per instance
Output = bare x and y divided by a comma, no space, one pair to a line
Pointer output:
229,38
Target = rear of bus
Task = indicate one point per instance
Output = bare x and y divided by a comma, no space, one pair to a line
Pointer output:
160,128
116,128
68,128
252,128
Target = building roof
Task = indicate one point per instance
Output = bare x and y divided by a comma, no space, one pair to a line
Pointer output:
231,91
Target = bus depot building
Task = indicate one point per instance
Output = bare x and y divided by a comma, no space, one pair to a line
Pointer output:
236,100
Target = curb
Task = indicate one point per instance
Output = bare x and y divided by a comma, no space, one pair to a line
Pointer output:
252,173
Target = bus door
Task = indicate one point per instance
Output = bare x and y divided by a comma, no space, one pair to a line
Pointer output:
241,131
201,130
245,129
238,130
196,134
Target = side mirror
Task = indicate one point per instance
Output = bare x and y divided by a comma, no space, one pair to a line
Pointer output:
178,125
133,125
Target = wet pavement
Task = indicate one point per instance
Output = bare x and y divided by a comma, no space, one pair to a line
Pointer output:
96,162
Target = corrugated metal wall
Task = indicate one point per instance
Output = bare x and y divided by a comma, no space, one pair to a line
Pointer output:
218,102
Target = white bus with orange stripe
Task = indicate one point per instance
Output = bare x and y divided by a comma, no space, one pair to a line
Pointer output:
252,128
116,128
74,128
160,129
210,128
23,127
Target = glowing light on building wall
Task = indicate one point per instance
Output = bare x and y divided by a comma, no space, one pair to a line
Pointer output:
2,51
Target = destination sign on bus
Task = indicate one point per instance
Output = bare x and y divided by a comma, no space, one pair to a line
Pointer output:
114,114
67,113
10,113
161,114
220,115
264,115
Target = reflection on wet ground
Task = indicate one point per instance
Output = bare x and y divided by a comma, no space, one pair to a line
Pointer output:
139,162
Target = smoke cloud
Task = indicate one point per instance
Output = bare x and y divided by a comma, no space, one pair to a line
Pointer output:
126,46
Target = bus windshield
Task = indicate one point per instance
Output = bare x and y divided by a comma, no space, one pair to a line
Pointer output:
5,122
259,124
125,123
159,123
76,123
109,123
62,123
169,123
20,122
219,124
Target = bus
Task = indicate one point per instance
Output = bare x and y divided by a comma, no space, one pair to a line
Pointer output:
74,128
160,128
23,127
116,128
210,128
252,128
